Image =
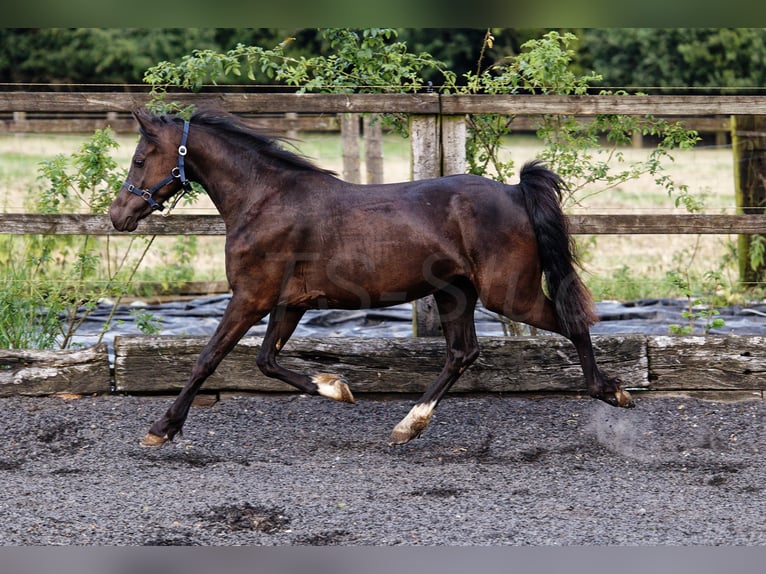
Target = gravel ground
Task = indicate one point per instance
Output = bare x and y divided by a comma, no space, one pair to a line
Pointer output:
285,470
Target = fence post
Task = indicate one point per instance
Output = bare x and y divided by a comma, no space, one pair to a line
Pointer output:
425,162
20,119
373,148
291,119
438,148
349,131
453,145
748,142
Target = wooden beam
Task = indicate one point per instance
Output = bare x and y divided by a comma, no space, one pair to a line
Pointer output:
69,122
649,224
233,102
33,372
594,105
74,125
177,224
161,364
407,103
508,364
85,224
728,362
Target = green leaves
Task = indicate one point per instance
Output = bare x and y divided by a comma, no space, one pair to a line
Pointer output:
573,147
698,308
54,282
358,61
88,179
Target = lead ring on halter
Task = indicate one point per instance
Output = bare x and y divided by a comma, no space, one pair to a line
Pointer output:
178,172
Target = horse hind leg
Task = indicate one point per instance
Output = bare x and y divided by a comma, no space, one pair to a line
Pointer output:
282,324
456,306
542,314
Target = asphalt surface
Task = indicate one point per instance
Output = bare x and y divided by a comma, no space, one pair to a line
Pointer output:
287,470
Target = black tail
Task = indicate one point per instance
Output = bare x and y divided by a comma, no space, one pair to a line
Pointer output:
542,197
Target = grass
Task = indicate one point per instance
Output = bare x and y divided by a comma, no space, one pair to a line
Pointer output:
618,267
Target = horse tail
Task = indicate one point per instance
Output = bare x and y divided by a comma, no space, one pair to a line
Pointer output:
541,189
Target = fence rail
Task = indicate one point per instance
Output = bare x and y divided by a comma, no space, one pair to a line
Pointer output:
448,104
643,224
431,104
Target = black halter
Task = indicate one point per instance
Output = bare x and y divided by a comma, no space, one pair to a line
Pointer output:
177,172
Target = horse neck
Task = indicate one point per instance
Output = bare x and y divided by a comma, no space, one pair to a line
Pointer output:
226,174
237,178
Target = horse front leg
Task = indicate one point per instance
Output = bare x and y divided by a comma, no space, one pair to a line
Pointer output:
282,324
237,319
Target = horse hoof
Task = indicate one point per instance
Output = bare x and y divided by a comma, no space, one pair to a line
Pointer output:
399,437
624,399
333,387
153,441
413,424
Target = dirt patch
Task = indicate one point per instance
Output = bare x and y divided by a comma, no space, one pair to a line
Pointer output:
329,538
247,517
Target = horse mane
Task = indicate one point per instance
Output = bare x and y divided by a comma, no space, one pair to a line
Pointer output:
266,145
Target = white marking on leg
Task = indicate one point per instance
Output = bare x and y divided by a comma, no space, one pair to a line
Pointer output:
413,424
332,387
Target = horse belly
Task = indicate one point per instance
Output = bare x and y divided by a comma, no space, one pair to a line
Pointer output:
387,251
376,277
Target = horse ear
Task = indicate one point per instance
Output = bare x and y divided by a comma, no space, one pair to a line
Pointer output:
144,118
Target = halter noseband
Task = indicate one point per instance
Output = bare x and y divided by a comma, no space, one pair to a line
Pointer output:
177,172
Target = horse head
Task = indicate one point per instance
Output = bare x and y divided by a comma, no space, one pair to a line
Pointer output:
156,172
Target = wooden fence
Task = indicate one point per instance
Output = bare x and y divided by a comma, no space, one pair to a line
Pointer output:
718,367
431,144
720,364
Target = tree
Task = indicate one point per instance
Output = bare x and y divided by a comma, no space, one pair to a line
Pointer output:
677,58
92,55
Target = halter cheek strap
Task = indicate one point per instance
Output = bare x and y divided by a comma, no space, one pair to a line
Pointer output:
178,172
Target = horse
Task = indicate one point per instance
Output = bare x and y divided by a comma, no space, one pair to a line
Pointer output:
298,237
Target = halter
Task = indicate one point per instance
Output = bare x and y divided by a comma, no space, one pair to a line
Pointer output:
177,172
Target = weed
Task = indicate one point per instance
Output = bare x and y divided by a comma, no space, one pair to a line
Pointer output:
700,292
146,322
49,284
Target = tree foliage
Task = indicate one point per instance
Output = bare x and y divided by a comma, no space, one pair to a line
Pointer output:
624,57
100,55
370,60
677,57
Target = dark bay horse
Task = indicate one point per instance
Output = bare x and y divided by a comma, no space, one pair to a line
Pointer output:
299,238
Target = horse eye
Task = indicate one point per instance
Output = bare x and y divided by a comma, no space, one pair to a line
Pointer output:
138,162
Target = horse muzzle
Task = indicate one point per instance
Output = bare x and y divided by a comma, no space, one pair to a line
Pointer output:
122,222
